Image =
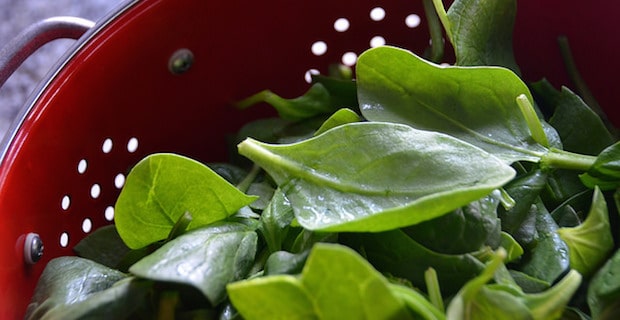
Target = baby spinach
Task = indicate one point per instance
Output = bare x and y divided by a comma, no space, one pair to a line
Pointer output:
161,188
207,258
351,178
481,42
479,300
604,290
335,283
396,85
591,242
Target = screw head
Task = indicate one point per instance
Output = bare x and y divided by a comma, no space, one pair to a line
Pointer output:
33,248
181,61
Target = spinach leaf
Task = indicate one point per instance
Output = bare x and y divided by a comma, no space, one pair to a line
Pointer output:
207,259
396,253
340,117
547,256
103,246
479,300
161,188
481,32
283,262
68,280
605,172
335,283
377,176
317,100
519,221
119,301
275,221
395,85
604,290
590,243
580,128
463,230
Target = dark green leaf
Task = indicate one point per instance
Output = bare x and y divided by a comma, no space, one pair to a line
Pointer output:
464,230
275,221
482,32
103,246
282,262
67,280
119,301
524,189
604,290
580,128
317,100
394,252
547,257
207,259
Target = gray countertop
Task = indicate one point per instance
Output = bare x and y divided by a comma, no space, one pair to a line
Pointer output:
15,16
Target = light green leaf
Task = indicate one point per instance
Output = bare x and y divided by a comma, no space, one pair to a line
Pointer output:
377,176
479,300
207,258
591,242
336,283
475,104
340,117
161,188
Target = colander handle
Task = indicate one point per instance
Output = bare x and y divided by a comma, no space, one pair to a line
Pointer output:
32,38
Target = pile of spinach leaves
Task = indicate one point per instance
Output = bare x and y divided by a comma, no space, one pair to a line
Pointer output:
417,191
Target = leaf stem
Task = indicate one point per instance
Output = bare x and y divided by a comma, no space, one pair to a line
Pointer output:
435,30
244,184
443,17
560,159
432,287
417,302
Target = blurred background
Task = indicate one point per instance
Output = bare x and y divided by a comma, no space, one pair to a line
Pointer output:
15,16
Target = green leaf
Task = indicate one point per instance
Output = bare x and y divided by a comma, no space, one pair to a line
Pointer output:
479,300
590,243
161,188
518,221
547,257
340,117
336,283
512,247
377,176
67,280
463,230
481,32
103,246
396,253
207,259
580,128
605,171
317,100
275,221
119,301
475,104
604,290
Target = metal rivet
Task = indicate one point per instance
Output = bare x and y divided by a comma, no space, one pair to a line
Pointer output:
181,61
33,248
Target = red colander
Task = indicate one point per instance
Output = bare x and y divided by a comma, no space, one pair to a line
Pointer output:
159,76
